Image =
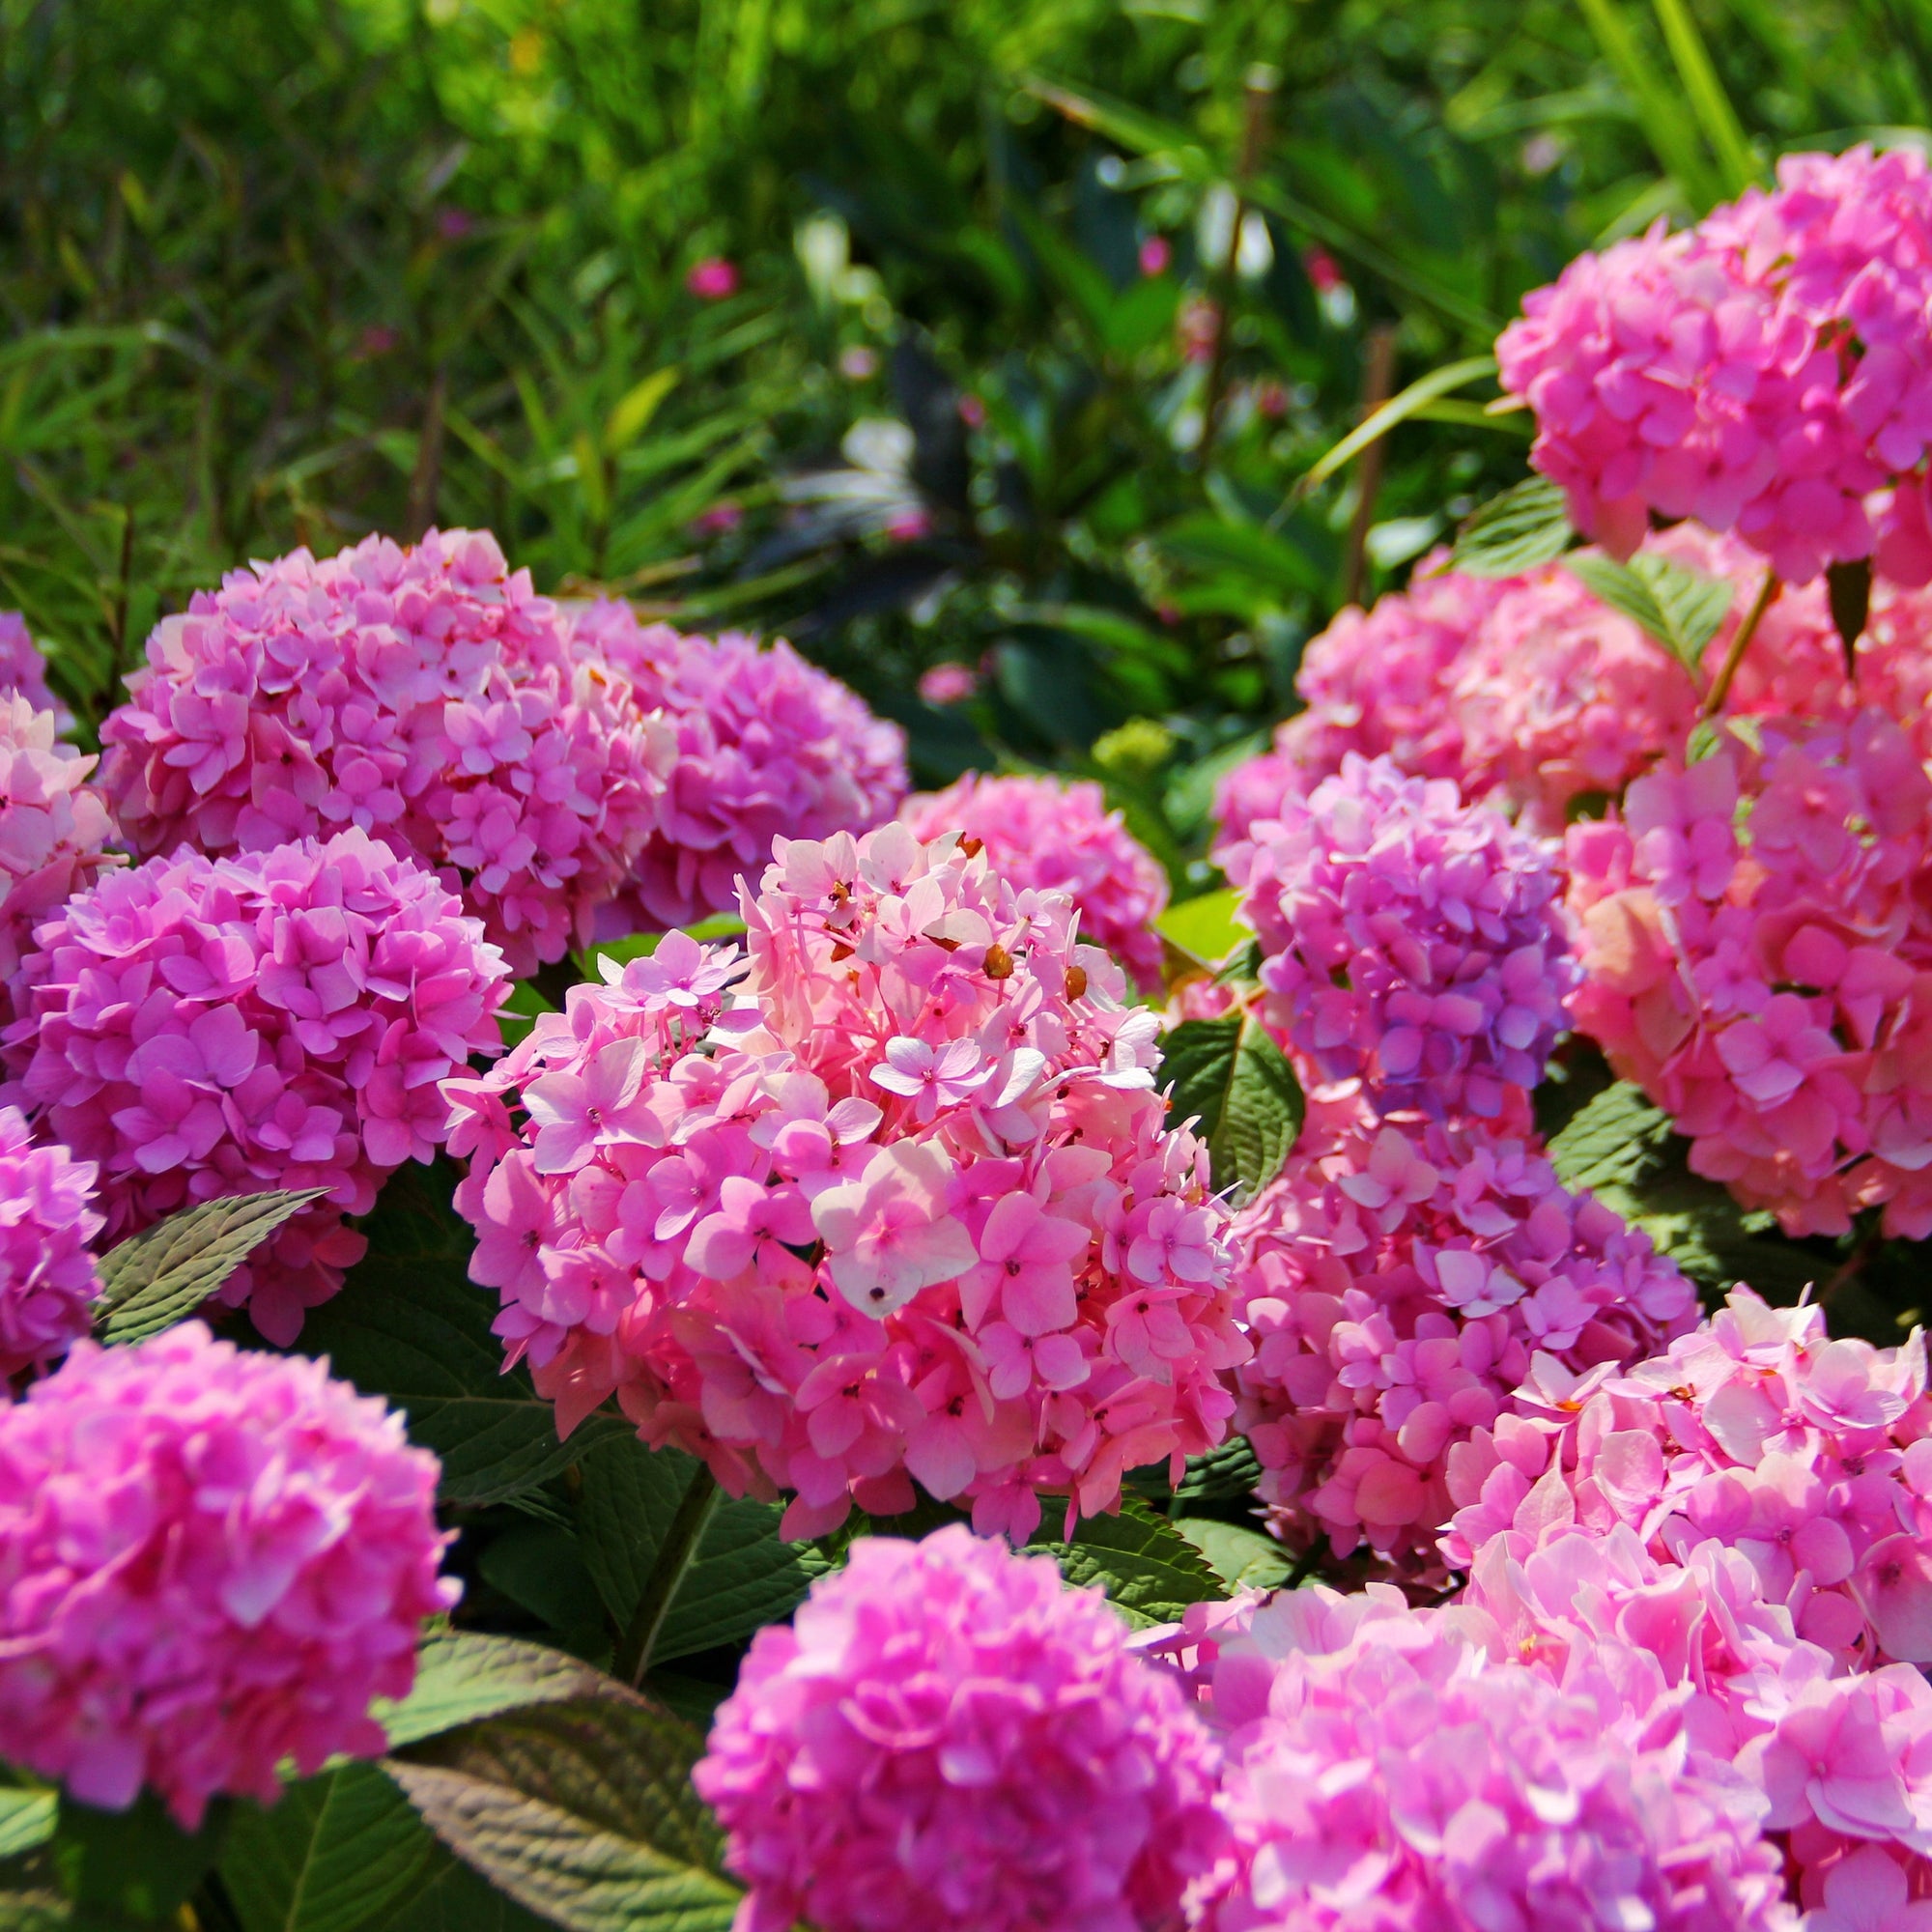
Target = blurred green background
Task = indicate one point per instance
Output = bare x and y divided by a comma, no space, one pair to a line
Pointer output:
1042,311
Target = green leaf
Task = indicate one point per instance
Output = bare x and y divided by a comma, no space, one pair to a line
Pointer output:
1231,1471
1425,390
136,1863
461,1677
409,1326
1682,608
1149,1569
1204,926
583,1812
1243,1558
1524,527
1216,545
334,1854
745,1576
35,1912
163,1274
1231,1075
454,1899
27,1818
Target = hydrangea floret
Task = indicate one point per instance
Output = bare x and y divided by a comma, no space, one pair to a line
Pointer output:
48,1284
761,744
23,670
1398,1286
1044,832
946,1735
1758,948
1410,942
212,1562
204,1027
428,696
902,1203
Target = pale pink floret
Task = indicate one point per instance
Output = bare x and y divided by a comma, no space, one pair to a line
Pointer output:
1390,1768
23,670
1758,957
275,1019
1409,942
1400,1285
901,1205
760,745
210,1562
1061,837
947,1736
425,695
48,1285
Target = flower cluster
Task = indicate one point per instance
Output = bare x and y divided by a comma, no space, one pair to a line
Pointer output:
1398,1287
428,696
23,670
1756,1431
203,1027
945,1735
1409,942
1757,938
53,825
1062,838
48,1224
211,1561
1387,1768
763,745
1770,370
910,1205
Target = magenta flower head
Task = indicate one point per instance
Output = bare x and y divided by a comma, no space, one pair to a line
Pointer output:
427,697
53,825
23,670
1758,958
761,745
1410,942
947,1736
1768,371
712,279
947,683
1399,1287
898,1203
1387,1768
48,1224
211,1561
1040,831
202,1027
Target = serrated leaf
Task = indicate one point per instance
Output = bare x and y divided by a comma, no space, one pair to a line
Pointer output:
1243,1558
583,1812
334,1855
461,1677
454,1899
1848,590
27,1818
1229,1075
409,1326
1524,527
745,1575
1231,1470
1149,1572
157,1277
1683,609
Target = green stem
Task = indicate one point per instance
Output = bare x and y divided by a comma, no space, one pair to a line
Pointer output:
667,1574
1720,687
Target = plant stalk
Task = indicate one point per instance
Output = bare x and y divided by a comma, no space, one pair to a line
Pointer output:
667,1574
1377,380
1721,686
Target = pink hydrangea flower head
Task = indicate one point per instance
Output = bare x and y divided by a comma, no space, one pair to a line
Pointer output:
1385,1767
203,1027
1409,941
48,1224
1768,371
1757,1431
1757,955
213,1561
427,697
1400,1283
762,745
712,279
893,1200
947,683
946,1735
23,670
53,827
1040,831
